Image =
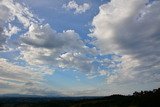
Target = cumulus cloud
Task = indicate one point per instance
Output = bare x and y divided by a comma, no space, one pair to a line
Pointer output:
130,28
11,30
60,50
45,37
78,9
63,50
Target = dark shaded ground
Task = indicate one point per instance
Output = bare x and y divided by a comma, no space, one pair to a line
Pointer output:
138,99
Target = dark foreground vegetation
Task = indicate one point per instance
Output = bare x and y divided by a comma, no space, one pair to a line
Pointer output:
138,99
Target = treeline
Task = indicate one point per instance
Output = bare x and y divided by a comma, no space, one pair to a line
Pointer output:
155,92
138,99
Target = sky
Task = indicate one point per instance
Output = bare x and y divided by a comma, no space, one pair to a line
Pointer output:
79,47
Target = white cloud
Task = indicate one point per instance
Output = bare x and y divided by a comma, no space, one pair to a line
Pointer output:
52,48
9,12
103,72
24,80
11,30
19,11
45,37
19,73
78,9
130,28
43,46
13,76
41,50
48,47
4,16
119,28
